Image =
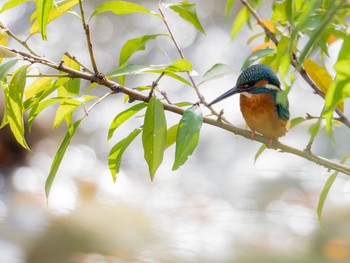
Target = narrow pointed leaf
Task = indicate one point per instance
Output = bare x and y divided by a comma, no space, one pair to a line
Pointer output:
133,45
187,135
217,71
340,88
323,196
296,121
188,12
3,41
121,8
241,19
72,86
6,67
229,4
116,153
59,156
67,107
56,11
14,105
39,107
13,3
320,76
43,8
124,116
256,56
154,135
259,152
325,191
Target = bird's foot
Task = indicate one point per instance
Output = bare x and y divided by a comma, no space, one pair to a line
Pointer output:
269,144
253,134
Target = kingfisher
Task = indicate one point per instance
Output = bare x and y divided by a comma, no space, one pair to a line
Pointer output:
258,86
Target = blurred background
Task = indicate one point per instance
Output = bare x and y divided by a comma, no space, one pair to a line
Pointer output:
218,207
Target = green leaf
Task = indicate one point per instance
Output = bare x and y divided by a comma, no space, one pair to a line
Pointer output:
6,67
187,135
14,105
323,196
123,116
43,8
229,4
67,106
325,191
116,153
289,12
133,45
340,88
316,34
121,8
283,56
39,107
217,71
296,121
72,86
13,3
56,11
256,56
171,135
59,156
3,42
188,12
4,120
259,152
37,87
180,65
154,135
241,19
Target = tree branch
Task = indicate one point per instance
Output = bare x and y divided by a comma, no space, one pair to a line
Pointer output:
136,95
88,38
294,62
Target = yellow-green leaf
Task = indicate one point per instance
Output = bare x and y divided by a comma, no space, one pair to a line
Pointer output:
116,153
320,76
14,105
241,19
43,8
59,156
121,8
55,12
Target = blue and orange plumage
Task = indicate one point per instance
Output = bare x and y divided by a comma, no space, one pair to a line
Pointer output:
263,113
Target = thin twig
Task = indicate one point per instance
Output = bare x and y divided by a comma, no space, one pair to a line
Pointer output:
294,62
87,111
155,84
23,43
165,96
115,87
88,38
77,61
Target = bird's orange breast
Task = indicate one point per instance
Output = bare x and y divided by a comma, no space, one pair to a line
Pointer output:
260,114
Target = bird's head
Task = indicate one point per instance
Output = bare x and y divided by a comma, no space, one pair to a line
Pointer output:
252,80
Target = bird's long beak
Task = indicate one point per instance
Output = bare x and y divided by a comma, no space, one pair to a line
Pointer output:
228,93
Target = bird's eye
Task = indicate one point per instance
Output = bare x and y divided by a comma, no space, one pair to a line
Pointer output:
248,85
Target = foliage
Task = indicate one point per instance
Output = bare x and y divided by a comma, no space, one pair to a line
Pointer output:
298,34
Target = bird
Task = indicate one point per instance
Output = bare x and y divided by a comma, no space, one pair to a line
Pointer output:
263,112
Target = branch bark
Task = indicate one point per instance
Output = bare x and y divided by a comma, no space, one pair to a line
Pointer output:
136,95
